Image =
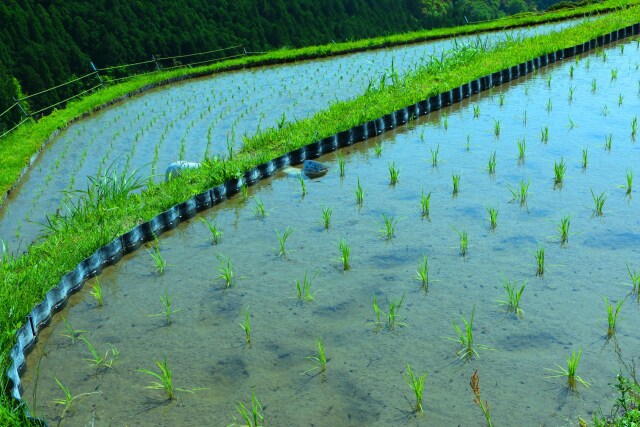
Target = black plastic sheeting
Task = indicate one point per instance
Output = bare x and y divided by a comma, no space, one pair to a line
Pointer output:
129,242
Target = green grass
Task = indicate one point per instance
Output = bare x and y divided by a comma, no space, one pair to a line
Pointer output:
26,279
570,373
417,385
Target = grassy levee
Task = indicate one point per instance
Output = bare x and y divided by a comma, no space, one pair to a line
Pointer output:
25,280
19,147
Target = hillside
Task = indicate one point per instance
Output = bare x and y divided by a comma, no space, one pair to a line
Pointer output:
46,42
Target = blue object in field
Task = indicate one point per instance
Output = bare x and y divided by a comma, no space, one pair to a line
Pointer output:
314,169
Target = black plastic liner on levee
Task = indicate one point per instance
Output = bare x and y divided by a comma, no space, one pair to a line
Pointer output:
129,242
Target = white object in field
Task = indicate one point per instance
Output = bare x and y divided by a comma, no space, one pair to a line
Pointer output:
174,168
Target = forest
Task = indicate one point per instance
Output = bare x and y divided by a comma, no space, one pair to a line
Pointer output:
47,42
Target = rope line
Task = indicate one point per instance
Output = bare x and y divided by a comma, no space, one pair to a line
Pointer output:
56,87
8,109
7,132
65,100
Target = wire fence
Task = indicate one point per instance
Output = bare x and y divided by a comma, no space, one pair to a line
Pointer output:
21,111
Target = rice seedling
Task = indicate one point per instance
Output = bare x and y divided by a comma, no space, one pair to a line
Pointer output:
635,281
376,309
304,289
226,270
475,387
422,273
387,229
216,233
493,218
496,128
634,128
253,417
614,74
319,359
598,202
571,70
620,99
97,360
607,141
572,89
425,204
164,378
476,111
521,193
167,311
158,260
524,118
393,173
594,86
492,163
96,292
605,110
303,185
326,217
434,156
244,190
544,134
341,163
417,385
467,146
445,121
585,158
246,327
501,99
549,106
393,320
563,229
522,148
612,316
359,194
559,170
464,241
259,209
570,372
539,261
68,399
456,184
513,298
72,333
465,338
571,124
345,252
378,149
549,80
282,240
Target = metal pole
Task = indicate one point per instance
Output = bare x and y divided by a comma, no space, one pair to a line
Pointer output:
20,105
96,71
156,62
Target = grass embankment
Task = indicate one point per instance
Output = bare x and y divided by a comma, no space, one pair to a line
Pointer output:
17,149
25,280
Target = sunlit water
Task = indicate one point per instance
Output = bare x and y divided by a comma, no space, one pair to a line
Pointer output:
187,121
564,310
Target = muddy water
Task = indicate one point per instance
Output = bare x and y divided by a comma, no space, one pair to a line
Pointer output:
200,117
564,309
